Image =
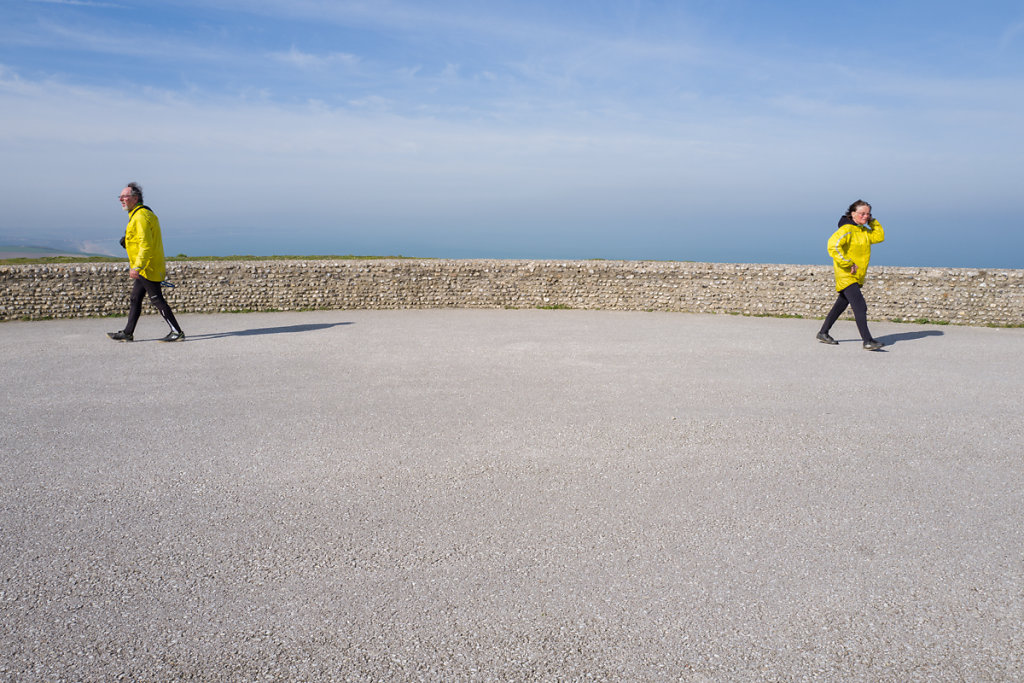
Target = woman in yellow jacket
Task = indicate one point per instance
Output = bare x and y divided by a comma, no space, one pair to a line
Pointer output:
850,249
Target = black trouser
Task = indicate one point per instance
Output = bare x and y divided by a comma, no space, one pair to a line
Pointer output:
156,297
850,296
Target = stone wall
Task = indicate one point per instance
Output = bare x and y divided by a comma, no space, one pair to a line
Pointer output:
961,296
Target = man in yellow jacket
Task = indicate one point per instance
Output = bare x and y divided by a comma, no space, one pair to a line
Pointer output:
850,249
146,265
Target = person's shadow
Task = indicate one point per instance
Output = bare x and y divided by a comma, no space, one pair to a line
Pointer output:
890,339
287,329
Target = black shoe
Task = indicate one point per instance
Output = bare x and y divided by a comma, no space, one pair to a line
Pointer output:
173,336
120,336
873,345
825,339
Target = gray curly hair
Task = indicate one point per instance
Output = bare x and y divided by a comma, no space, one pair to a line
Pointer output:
136,190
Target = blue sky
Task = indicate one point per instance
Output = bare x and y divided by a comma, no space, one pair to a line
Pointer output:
728,131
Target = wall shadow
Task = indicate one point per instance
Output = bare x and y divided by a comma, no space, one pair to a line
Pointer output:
286,329
890,339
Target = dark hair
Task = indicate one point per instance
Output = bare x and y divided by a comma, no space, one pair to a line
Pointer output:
136,190
848,214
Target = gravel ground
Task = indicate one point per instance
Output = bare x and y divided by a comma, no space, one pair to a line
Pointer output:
510,495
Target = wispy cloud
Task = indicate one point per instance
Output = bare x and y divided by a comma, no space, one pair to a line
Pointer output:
305,60
1011,35
367,144
99,40
81,3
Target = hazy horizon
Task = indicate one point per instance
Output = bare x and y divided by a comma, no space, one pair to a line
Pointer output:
12,250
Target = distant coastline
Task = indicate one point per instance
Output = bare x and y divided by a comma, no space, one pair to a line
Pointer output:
12,252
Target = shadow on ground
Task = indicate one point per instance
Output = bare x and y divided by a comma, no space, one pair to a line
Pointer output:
287,329
890,339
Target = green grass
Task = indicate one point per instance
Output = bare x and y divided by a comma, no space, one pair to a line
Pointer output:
920,321
772,315
336,257
45,260
24,260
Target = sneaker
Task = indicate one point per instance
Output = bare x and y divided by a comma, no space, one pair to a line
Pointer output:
120,336
824,338
873,345
173,336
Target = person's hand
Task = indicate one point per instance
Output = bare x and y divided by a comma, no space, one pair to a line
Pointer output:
133,274
853,269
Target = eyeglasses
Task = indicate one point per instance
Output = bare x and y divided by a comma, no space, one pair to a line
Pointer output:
125,196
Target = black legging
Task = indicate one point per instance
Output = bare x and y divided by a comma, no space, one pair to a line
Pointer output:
156,297
850,296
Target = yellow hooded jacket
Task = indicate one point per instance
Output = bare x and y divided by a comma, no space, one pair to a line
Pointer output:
144,244
851,244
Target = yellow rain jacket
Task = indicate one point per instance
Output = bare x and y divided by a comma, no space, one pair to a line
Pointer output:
144,244
851,244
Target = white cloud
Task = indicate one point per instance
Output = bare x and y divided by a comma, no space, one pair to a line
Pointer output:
249,150
1011,35
305,60
101,39
81,3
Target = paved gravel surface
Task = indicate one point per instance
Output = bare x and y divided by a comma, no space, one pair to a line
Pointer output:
510,495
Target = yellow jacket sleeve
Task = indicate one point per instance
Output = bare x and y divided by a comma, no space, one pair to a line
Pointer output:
837,246
877,232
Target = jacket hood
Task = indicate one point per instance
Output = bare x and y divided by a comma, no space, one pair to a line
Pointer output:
846,220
